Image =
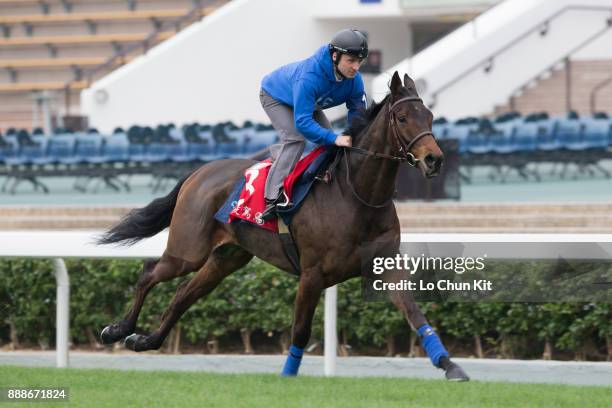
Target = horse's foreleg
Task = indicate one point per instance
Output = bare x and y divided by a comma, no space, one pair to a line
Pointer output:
306,302
429,339
153,272
220,264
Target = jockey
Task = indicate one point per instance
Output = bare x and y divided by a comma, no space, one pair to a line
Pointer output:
294,97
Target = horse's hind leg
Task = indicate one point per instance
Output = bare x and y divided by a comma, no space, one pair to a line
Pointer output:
153,272
429,339
223,261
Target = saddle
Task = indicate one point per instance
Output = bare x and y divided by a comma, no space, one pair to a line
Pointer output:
246,201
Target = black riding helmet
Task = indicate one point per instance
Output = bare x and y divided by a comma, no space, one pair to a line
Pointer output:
349,41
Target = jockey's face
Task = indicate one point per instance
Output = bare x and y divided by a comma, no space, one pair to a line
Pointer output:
348,65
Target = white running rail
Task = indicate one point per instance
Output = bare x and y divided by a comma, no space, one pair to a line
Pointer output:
80,244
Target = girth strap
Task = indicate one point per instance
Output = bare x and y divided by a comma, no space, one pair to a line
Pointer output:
288,244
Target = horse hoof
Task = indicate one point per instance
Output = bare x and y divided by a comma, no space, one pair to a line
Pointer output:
111,334
455,373
135,342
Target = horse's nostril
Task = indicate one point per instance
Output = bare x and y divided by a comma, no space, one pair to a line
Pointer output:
433,162
430,160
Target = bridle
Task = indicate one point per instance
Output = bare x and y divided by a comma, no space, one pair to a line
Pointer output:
404,150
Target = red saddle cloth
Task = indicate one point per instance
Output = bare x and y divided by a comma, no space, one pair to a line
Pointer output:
252,203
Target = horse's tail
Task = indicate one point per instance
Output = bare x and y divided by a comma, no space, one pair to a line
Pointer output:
144,222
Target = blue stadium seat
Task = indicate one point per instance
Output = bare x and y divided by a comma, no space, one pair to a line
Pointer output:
89,148
203,151
241,135
11,153
198,144
180,152
568,134
440,130
25,151
439,127
12,146
204,132
4,147
526,136
36,154
22,149
117,148
503,144
461,132
176,134
61,149
157,152
508,128
262,139
138,152
597,133
477,143
227,149
547,137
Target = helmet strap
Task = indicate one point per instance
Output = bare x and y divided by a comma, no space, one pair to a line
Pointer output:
336,62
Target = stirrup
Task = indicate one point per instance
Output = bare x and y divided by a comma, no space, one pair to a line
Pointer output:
281,202
286,202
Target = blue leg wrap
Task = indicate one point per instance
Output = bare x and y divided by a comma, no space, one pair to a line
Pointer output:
294,359
432,344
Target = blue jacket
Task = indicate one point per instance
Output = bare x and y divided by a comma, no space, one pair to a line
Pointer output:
311,85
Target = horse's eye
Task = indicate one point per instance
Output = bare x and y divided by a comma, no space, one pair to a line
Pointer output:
402,119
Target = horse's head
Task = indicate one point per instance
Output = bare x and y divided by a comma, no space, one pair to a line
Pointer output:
410,123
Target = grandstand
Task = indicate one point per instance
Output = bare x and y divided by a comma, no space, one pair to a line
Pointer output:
547,118
164,152
510,145
555,60
521,144
50,50
578,85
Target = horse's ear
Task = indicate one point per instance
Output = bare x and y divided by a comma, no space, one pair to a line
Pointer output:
396,84
408,82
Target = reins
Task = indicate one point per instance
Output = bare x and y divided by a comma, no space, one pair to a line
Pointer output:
402,148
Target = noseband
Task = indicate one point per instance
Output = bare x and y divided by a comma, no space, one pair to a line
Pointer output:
404,150
405,155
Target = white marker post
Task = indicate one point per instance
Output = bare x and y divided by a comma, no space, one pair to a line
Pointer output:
62,312
331,338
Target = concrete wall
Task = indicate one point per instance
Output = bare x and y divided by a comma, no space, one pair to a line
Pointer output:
212,70
355,9
208,72
396,8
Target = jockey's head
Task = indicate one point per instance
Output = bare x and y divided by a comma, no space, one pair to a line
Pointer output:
348,48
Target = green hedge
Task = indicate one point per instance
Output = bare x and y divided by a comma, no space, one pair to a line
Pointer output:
258,300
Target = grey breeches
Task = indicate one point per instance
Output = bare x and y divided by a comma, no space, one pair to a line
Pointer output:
288,151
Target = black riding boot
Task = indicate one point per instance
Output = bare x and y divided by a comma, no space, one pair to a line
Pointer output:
271,205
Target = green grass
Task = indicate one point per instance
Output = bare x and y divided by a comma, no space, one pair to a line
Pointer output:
113,388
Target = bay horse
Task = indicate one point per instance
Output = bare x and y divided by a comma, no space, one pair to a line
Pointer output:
332,222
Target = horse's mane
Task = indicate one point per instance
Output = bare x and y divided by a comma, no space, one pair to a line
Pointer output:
364,118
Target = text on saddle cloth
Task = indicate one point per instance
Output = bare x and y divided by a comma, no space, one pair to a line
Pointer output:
247,202
251,202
